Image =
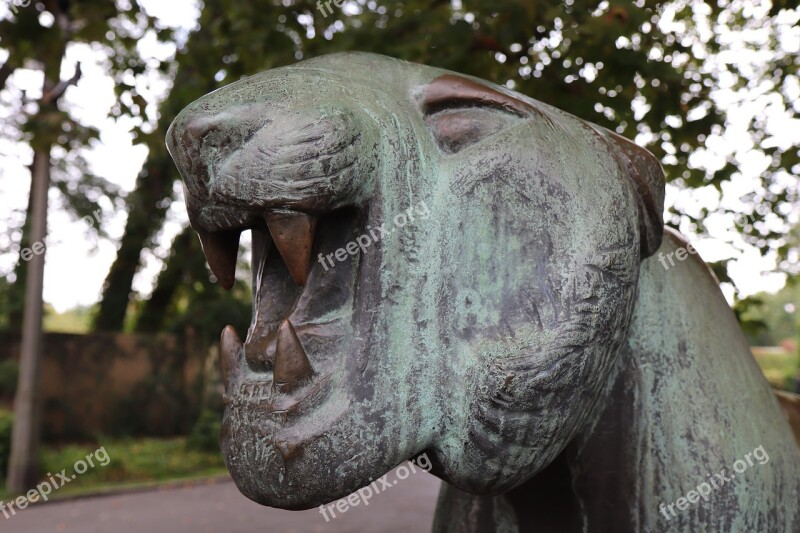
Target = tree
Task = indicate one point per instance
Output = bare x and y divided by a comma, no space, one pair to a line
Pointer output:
37,36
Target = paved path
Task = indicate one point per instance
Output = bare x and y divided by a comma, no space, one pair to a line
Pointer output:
406,507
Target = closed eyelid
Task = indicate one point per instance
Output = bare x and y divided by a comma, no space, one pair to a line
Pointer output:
450,91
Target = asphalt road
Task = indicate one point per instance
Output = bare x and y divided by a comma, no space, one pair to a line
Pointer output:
405,507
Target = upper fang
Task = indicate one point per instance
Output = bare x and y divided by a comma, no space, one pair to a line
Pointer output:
293,234
221,250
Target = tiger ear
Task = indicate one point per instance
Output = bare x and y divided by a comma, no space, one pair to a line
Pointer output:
647,176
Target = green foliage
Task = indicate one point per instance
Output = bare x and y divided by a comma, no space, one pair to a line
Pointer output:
9,373
6,423
588,60
780,367
6,303
133,415
780,312
205,433
138,460
752,326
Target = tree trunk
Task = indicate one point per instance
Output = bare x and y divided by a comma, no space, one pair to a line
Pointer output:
23,463
146,211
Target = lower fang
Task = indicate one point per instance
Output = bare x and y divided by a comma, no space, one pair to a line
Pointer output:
230,357
292,367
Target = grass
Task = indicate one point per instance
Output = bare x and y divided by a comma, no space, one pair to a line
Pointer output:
779,366
75,320
133,462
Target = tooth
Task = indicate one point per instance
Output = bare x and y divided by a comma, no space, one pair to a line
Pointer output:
230,349
261,246
291,363
293,234
221,249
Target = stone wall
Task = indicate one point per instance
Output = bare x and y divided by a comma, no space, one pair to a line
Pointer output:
116,384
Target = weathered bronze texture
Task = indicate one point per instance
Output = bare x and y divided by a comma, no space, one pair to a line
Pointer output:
516,330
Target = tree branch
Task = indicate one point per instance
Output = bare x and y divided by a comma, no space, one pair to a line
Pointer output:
59,90
5,71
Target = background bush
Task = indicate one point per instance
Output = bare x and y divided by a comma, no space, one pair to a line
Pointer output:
6,421
9,372
205,433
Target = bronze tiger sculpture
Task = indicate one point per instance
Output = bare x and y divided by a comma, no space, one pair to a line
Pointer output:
521,335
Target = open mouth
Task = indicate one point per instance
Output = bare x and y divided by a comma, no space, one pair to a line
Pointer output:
302,308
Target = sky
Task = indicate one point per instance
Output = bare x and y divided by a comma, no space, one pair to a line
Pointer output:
77,262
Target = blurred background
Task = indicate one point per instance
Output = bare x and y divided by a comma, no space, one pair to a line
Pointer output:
112,340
